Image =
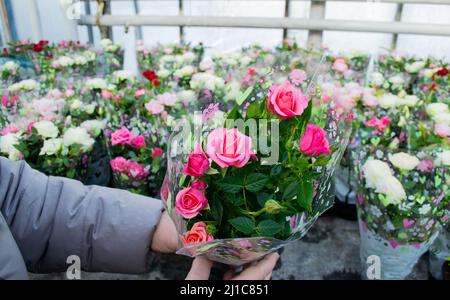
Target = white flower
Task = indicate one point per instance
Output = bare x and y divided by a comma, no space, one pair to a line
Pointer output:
80,60
109,46
232,90
397,81
9,67
206,65
51,147
186,95
93,127
89,109
374,171
434,109
376,78
46,129
76,104
409,100
123,75
245,60
442,119
443,158
96,83
387,101
65,61
105,43
404,161
375,211
189,57
206,81
7,143
78,136
392,188
424,209
415,66
163,73
184,71
24,85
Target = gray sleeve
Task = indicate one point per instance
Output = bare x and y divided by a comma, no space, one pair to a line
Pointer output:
52,218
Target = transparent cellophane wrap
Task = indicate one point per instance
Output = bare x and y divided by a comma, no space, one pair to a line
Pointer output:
240,251
398,244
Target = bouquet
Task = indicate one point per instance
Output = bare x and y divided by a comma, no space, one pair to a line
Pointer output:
234,202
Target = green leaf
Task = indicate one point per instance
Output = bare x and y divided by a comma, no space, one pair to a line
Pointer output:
211,171
231,184
269,228
243,96
256,181
305,195
291,190
262,198
276,170
234,114
253,111
216,210
243,224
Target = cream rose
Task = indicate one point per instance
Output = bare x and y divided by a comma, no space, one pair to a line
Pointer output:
46,129
374,171
434,109
404,161
392,188
51,147
7,145
78,136
376,78
443,158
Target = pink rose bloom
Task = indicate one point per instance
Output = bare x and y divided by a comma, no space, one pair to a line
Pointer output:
55,93
167,99
30,127
70,93
297,76
314,141
199,185
197,234
154,107
369,98
9,129
137,142
328,90
164,115
189,202
425,166
442,130
106,94
286,101
157,152
136,170
340,65
6,101
121,137
197,163
139,93
229,147
380,124
119,164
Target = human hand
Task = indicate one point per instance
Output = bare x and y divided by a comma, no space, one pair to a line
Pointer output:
261,270
165,237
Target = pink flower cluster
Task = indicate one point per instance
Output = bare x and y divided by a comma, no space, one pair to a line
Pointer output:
157,106
130,168
9,101
379,124
125,137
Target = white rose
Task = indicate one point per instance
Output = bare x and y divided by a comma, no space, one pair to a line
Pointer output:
105,43
434,109
409,100
376,78
94,127
78,136
65,61
7,143
76,104
186,95
245,60
96,83
404,161
51,147
25,85
397,81
189,57
374,171
163,73
415,66
428,73
184,71
442,119
392,188
89,109
46,129
388,100
443,158
206,65
9,66
80,60
123,75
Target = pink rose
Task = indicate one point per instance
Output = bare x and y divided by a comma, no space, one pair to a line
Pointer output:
189,202
442,130
157,152
379,124
119,164
369,99
197,163
340,65
229,147
199,185
121,137
137,142
314,141
154,107
139,93
286,101
197,234
136,170
106,94
9,129
167,99
30,127
70,93
297,76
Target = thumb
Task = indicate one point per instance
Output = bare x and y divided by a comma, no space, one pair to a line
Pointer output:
201,267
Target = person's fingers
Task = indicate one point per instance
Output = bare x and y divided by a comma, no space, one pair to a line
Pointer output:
229,275
201,267
268,276
261,270
165,237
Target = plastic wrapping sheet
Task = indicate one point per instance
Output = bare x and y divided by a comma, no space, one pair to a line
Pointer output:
439,253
